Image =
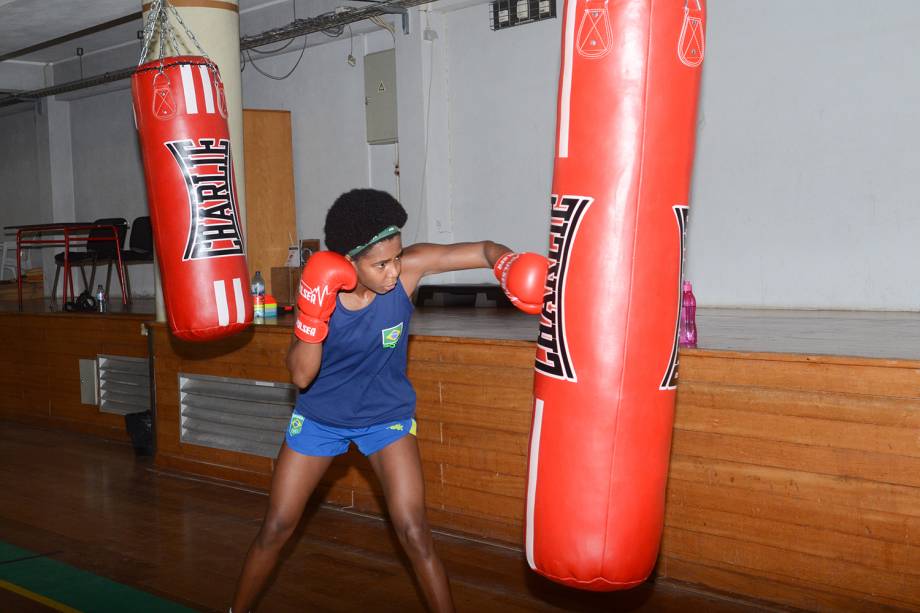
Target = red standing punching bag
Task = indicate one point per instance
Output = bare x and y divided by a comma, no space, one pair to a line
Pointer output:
181,115
606,364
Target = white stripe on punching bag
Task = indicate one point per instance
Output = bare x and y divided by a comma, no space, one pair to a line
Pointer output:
565,96
188,89
220,297
532,477
238,296
206,87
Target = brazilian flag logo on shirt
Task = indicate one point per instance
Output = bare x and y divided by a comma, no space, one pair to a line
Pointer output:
296,424
391,335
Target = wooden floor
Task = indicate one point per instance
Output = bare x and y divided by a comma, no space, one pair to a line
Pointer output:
92,504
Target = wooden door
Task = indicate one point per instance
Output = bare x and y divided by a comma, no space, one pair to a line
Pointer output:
271,223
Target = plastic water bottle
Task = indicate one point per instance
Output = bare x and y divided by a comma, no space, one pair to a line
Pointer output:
687,336
101,305
258,295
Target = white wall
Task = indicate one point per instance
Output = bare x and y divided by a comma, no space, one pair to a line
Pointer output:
501,100
807,189
326,99
490,138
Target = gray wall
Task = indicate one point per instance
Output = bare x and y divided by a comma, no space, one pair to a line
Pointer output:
806,190
501,101
107,174
804,195
19,169
74,160
25,184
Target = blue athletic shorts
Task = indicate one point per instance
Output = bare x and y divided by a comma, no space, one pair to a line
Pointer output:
309,437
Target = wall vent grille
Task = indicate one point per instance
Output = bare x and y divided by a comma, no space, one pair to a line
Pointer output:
124,384
235,414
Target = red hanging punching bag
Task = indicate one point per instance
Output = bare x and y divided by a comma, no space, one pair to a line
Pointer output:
181,114
606,364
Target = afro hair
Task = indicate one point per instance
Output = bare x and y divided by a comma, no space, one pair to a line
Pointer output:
356,216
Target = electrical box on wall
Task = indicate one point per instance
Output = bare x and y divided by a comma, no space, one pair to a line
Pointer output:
380,97
507,13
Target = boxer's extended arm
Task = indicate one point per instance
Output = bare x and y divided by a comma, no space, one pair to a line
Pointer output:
523,277
423,259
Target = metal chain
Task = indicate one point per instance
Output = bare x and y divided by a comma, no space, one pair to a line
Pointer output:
157,25
171,35
149,27
163,21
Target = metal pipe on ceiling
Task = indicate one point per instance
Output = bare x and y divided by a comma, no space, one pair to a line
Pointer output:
72,36
298,27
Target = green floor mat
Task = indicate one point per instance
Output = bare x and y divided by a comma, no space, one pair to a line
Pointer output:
77,589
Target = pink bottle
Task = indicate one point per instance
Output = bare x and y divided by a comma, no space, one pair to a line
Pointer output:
687,335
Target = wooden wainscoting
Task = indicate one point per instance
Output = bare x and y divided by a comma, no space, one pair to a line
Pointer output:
40,370
796,479
257,353
473,415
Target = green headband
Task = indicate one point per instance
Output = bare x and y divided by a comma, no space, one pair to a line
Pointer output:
385,233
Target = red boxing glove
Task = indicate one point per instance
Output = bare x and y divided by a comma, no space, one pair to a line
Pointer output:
523,279
323,276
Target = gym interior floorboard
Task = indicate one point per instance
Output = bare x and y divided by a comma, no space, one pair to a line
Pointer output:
92,504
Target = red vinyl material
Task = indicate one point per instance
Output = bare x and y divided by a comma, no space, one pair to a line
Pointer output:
181,115
606,364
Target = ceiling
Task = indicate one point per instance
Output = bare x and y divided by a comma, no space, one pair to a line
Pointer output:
27,23
24,23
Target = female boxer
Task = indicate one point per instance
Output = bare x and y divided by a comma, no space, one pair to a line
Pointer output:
348,356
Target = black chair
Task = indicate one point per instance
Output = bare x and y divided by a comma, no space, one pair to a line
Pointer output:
140,247
462,295
96,252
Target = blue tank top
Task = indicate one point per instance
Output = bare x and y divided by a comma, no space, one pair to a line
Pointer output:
362,377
